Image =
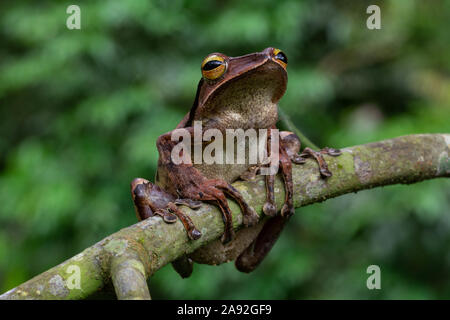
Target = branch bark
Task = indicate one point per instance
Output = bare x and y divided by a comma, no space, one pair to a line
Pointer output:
131,255
129,277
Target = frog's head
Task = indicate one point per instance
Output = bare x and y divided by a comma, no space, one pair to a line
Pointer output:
250,83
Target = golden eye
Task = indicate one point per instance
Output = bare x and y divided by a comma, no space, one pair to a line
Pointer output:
213,67
280,57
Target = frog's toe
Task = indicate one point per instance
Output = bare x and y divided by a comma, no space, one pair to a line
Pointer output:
287,210
325,172
189,203
269,209
167,216
318,157
250,174
331,151
250,218
297,159
136,182
194,234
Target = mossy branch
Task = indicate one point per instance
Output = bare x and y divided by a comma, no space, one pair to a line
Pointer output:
135,253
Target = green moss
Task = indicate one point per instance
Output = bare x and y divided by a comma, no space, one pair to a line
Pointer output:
116,246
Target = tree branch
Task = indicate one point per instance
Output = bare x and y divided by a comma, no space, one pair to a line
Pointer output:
129,276
134,253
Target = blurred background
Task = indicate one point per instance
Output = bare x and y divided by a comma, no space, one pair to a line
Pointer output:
81,111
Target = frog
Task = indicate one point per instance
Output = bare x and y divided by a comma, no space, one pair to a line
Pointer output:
240,92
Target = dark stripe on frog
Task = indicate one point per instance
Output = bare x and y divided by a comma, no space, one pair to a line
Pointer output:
194,105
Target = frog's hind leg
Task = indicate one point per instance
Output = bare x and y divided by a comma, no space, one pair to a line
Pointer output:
150,200
252,256
183,266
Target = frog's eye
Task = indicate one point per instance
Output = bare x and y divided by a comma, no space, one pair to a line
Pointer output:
213,67
280,57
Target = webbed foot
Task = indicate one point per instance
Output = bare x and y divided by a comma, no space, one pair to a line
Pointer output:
318,156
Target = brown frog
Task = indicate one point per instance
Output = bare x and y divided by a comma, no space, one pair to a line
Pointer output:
234,93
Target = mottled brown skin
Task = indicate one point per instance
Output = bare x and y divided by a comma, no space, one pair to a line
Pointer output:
245,96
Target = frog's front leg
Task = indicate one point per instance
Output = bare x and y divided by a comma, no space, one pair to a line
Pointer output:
289,151
287,147
189,183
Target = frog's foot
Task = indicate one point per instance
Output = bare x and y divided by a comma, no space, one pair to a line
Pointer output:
289,148
318,156
214,190
192,231
269,208
289,151
150,200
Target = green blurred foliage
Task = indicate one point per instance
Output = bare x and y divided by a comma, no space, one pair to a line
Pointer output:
81,110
